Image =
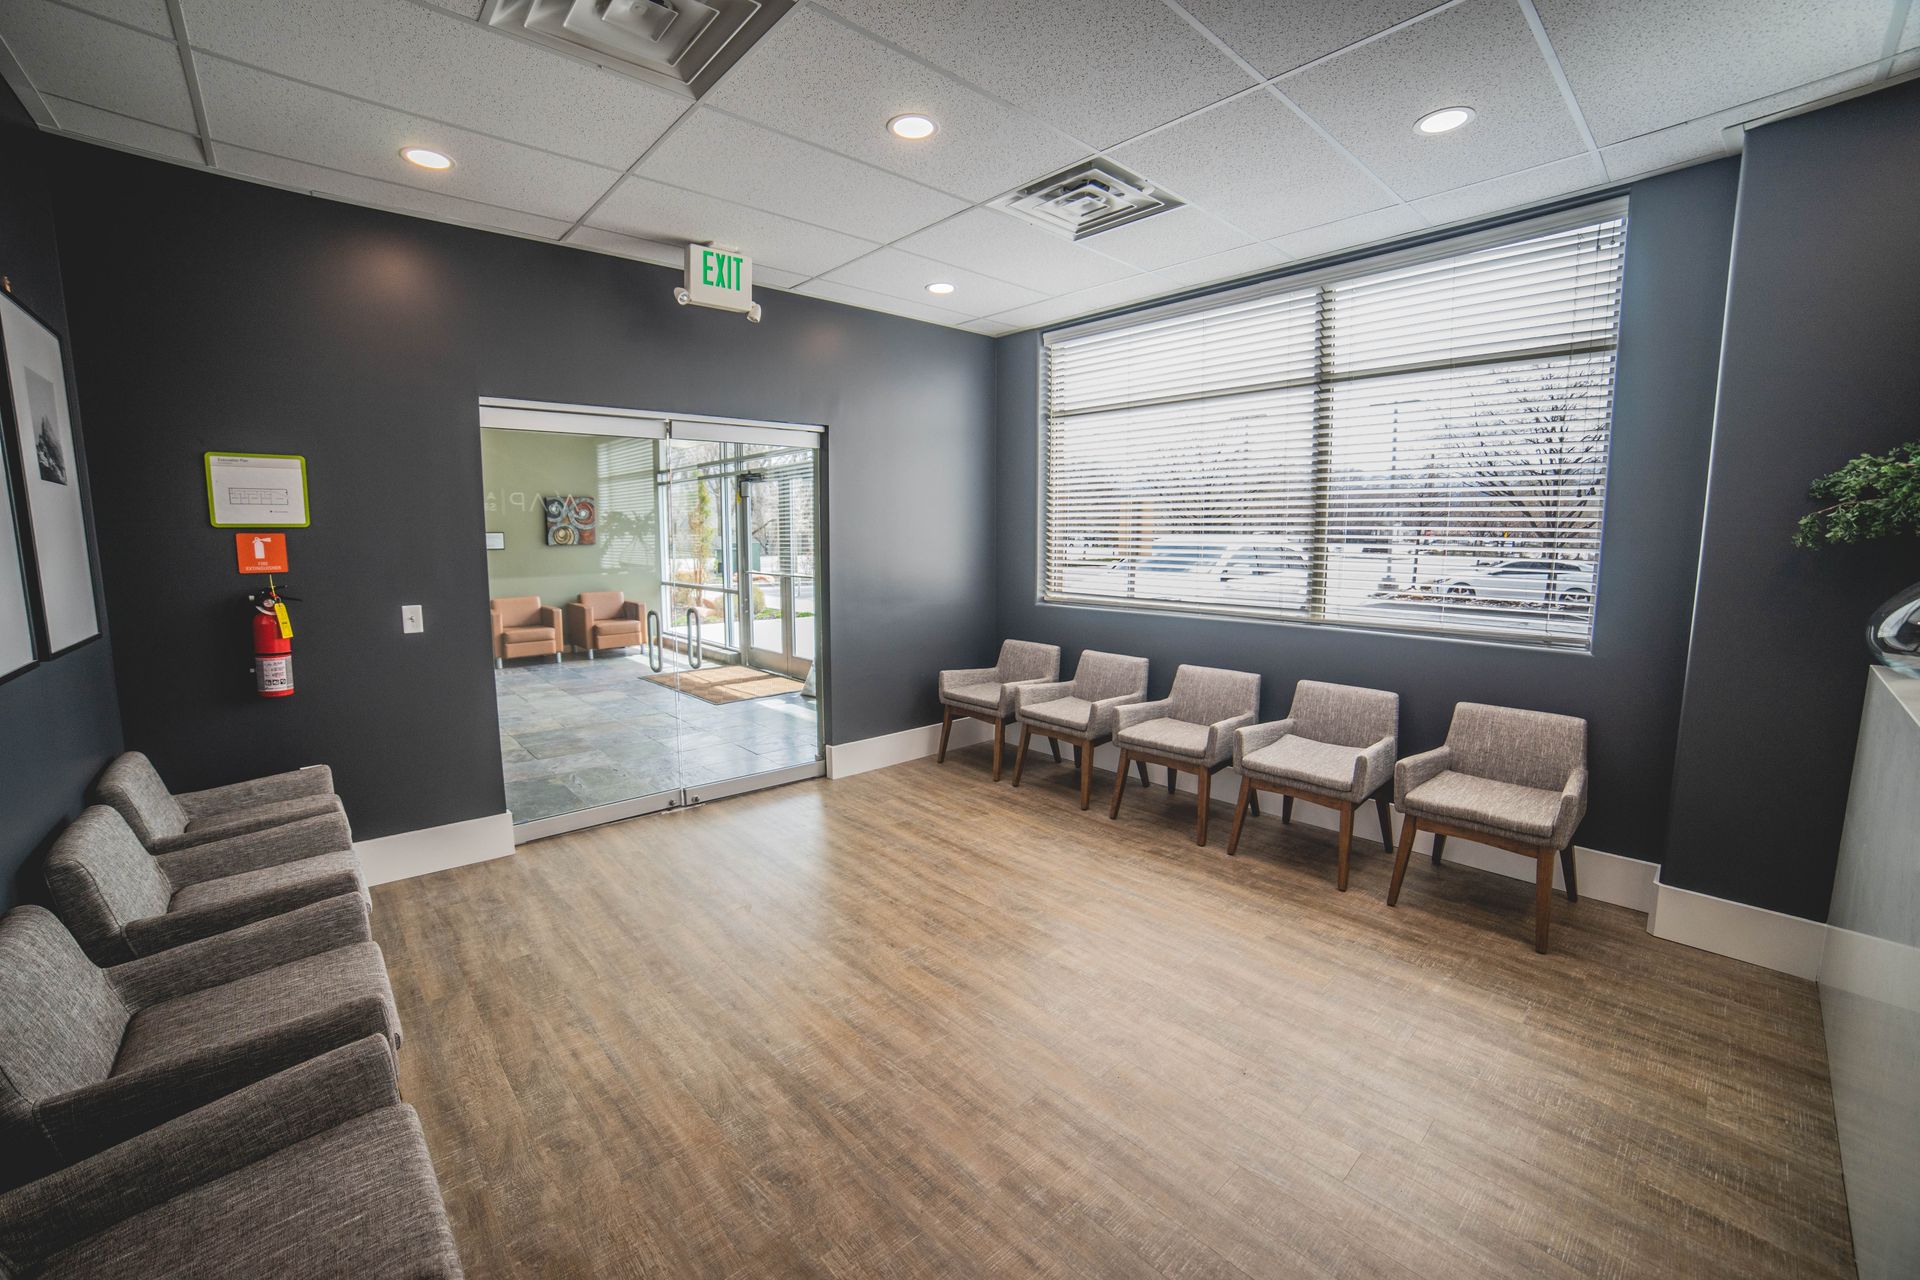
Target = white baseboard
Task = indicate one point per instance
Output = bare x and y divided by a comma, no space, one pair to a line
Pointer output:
909,744
1789,944
419,853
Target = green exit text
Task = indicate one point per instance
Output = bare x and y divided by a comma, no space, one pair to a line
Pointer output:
721,270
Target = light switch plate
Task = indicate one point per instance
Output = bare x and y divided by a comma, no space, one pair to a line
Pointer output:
411,619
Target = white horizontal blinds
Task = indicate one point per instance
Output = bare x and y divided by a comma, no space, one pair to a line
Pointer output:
1176,443
780,515
1459,407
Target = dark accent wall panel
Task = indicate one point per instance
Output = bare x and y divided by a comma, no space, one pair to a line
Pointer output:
1680,228
1821,362
59,723
216,314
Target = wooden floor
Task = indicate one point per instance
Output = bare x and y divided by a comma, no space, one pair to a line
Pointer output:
914,1024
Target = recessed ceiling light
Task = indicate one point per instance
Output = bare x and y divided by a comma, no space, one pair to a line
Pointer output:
939,286
911,127
1445,120
426,158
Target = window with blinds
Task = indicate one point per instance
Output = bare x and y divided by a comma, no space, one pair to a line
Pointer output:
1412,443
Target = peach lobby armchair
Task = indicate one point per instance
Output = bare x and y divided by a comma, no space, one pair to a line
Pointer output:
604,620
524,628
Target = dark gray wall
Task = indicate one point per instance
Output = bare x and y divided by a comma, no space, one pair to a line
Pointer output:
1679,230
214,314
58,721
1821,362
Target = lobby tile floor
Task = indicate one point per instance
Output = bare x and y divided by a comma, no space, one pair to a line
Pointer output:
580,733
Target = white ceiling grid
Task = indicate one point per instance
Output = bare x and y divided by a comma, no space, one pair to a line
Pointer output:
1287,128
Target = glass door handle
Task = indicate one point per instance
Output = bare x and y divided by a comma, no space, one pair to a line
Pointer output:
695,644
653,640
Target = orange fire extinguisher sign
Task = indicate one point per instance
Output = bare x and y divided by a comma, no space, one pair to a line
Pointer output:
261,552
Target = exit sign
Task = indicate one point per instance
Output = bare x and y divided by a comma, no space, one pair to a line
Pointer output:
719,277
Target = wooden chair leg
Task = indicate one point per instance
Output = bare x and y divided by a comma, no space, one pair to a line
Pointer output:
1385,810
1200,825
1142,766
1543,901
1346,844
1566,871
1119,783
1407,828
946,730
1239,815
1439,843
999,745
1055,744
1172,776
1286,808
1020,755
1253,804
1083,757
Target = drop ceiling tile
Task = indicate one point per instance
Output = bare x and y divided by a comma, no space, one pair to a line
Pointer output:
654,211
1908,61
265,113
1006,248
1639,65
870,301
1247,260
1350,233
1101,70
1718,134
738,161
1257,164
1513,190
394,196
148,15
76,56
906,276
1279,37
465,8
624,246
83,121
1087,302
1480,54
817,79
439,67
990,328
1179,235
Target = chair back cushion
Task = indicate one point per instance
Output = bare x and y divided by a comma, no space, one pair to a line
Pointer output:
132,787
1027,660
603,604
1526,748
1203,695
519,611
1343,714
60,1018
101,879
1108,675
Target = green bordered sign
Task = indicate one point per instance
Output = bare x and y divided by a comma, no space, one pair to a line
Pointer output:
257,491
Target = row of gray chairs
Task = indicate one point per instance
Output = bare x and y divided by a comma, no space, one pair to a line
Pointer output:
1506,777
197,1048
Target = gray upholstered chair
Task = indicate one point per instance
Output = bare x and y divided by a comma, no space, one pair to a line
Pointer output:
1188,731
1513,779
987,693
121,902
165,821
90,1056
1079,711
317,1171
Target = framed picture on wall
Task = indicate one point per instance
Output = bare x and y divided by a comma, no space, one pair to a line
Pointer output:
48,480
16,614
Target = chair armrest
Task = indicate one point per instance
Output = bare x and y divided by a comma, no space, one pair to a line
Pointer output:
1139,713
93,1118
314,780
163,933
1573,807
1417,769
1220,732
1035,692
579,623
950,680
1257,736
550,616
42,1218
1374,766
273,847
337,922
1100,720
630,611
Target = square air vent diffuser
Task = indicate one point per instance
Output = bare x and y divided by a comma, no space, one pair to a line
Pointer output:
1088,199
684,45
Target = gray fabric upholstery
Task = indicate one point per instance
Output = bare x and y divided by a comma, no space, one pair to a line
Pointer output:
1210,699
317,1171
61,1019
219,826
1506,772
165,822
1085,705
338,872
315,780
992,688
102,879
1337,740
130,785
313,837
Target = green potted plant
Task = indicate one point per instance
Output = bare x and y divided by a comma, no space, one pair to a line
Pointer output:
1874,496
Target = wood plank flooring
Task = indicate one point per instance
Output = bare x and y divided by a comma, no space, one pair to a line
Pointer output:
916,1024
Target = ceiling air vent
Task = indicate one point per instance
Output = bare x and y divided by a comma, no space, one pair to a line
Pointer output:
684,45
1088,199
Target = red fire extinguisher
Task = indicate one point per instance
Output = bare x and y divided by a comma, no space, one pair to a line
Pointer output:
272,644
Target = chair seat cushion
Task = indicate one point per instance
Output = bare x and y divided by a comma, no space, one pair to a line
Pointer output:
1065,713
259,817
1165,738
1483,802
289,885
617,627
357,1200
526,635
1321,766
985,697
243,1009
